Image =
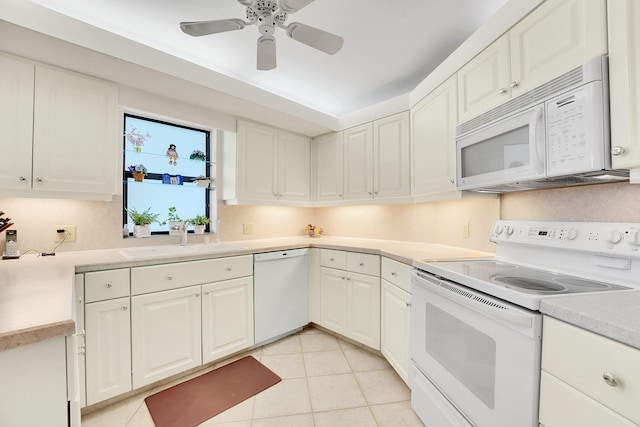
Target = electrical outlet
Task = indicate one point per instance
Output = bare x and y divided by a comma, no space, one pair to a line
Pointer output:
247,228
69,231
465,230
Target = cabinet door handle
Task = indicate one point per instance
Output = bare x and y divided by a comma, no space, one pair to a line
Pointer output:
207,293
170,277
513,85
38,179
617,150
408,304
361,264
348,278
393,273
108,285
370,193
339,195
124,307
343,277
197,295
331,259
611,379
229,269
22,179
502,91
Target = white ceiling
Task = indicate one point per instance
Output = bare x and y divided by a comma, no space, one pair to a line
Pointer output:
389,46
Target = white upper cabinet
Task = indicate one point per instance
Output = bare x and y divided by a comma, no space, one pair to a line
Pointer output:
61,131
328,161
624,82
273,165
557,36
376,159
433,122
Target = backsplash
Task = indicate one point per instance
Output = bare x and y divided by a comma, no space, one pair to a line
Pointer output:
99,223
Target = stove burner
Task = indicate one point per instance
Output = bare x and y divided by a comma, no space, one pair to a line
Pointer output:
530,284
586,283
495,264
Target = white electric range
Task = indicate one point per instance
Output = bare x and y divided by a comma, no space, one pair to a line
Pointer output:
475,325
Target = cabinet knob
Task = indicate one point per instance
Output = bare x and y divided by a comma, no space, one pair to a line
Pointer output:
331,259
502,91
197,295
348,278
408,304
343,277
38,179
339,195
393,273
207,293
108,285
170,277
229,269
453,181
617,150
375,193
513,85
611,379
361,264
124,307
22,179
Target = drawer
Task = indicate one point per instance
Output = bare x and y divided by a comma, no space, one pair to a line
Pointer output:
156,278
363,263
333,259
564,406
397,273
104,285
581,358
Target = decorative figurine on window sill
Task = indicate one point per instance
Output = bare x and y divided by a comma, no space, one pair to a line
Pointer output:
172,154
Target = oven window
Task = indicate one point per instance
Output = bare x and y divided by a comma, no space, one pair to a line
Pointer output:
499,153
464,351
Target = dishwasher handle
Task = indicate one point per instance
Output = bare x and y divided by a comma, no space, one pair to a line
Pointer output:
270,256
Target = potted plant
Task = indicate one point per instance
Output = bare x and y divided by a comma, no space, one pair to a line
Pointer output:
199,222
138,171
202,181
142,221
174,221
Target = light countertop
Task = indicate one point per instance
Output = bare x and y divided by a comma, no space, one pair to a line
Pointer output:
36,293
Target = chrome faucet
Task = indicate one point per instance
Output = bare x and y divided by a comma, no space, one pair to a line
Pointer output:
182,232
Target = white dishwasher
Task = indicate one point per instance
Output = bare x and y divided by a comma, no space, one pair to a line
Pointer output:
280,282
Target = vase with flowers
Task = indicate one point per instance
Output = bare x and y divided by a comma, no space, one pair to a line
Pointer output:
198,155
137,139
138,172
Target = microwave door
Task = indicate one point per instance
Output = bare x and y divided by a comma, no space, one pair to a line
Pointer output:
507,151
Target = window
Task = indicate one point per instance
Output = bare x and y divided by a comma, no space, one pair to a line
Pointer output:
177,171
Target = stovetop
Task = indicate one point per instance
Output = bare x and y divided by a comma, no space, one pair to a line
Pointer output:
537,259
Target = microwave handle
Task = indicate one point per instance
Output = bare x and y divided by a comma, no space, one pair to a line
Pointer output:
536,136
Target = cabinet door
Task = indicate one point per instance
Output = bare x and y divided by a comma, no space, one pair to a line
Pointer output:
294,167
394,334
16,122
108,349
555,38
624,82
483,83
165,334
391,174
358,162
433,122
333,297
329,166
364,309
257,161
74,133
227,318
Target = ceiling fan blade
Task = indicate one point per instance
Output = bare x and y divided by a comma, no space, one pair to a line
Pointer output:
203,28
319,39
266,53
291,6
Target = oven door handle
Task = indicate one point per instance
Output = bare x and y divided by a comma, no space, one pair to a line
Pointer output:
477,302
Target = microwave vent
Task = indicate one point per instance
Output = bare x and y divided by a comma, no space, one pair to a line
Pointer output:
566,81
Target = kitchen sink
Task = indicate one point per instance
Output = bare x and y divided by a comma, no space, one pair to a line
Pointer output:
169,251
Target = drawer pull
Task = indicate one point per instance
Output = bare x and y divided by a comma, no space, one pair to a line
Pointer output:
394,274
197,295
331,259
611,379
408,304
108,285
361,264
229,268
170,277
124,307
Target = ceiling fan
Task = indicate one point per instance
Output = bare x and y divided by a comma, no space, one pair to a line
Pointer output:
267,15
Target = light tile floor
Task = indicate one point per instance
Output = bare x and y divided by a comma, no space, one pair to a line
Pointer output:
326,381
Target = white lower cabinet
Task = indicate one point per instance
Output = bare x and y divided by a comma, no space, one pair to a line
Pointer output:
227,318
350,298
394,315
108,349
165,334
587,380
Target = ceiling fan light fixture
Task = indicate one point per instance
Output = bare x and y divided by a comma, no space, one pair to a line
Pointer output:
266,57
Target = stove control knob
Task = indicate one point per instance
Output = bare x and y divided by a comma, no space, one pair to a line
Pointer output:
509,230
633,238
571,234
499,230
613,237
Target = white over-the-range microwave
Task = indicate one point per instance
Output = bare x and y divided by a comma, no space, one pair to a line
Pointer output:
555,135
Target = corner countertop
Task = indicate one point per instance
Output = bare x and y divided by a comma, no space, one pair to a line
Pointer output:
615,315
36,293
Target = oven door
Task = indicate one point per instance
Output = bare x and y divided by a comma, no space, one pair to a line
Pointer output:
505,152
481,354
